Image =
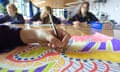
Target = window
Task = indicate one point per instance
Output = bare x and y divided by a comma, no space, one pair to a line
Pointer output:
58,12
23,8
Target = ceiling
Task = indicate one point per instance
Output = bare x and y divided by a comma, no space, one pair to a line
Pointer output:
53,3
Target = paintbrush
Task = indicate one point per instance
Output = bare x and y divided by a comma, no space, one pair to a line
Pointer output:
55,30
53,26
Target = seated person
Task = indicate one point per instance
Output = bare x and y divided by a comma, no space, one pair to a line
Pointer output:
36,17
13,17
83,16
11,37
43,17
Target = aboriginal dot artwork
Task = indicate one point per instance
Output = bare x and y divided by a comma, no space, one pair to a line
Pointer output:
95,53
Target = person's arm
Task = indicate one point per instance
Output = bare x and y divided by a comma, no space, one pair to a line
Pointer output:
56,20
36,17
19,20
11,37
73,19
45,36
93,18
4,19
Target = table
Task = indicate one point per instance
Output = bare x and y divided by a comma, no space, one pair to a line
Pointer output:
80,30
34,58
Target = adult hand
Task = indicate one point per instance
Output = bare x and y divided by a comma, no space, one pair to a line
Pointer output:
58,42
46,36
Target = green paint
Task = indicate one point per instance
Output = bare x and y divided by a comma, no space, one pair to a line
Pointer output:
32,70
18,70
95,46
50,65
109,46
4,70
33,53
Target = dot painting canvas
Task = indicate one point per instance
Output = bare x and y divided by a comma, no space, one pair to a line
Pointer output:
93,53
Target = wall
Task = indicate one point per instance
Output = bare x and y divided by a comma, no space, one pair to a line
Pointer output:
111,8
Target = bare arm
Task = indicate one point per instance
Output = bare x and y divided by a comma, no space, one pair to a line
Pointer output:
40,36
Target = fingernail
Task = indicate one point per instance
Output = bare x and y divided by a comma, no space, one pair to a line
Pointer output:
48,44
53,46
